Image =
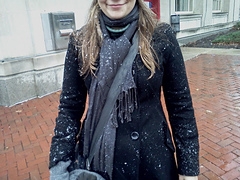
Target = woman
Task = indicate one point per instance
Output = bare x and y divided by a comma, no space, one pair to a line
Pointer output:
136,142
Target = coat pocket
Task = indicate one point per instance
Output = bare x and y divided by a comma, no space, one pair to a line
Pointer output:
168,137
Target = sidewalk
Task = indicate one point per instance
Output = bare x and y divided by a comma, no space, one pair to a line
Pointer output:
26,129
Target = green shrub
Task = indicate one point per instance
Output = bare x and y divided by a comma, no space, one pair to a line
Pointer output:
237,26
231,38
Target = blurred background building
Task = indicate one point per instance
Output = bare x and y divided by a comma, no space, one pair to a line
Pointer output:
34,36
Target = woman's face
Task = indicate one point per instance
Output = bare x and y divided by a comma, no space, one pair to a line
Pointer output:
116,9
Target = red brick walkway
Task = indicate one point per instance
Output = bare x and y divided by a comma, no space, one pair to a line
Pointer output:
27,128
215,87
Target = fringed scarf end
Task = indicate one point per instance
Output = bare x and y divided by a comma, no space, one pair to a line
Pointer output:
124,107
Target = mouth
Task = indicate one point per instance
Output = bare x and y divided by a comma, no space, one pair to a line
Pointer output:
116,6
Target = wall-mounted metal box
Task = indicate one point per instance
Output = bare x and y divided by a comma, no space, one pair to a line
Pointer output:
56,27
175,22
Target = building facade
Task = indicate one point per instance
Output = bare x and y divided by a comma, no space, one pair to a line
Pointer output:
199,18
31,65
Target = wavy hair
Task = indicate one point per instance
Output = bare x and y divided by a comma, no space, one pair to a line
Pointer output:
91,38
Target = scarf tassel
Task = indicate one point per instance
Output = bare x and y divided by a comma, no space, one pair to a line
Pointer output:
125,105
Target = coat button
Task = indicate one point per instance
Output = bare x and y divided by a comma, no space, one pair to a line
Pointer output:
134,135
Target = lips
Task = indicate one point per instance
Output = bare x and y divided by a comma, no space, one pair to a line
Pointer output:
116,6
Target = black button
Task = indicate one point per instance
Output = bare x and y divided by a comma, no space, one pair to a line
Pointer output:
134,135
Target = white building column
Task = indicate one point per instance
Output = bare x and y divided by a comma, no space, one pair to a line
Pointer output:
198,9
165,13
236,10
207,12
233,10
230,9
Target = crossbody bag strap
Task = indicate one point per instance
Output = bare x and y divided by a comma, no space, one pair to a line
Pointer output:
111,98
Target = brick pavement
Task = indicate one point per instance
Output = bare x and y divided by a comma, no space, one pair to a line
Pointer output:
27,128
215,87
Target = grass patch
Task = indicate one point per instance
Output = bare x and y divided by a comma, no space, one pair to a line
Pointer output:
230,38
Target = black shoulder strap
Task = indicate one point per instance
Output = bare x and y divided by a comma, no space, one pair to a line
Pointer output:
112,97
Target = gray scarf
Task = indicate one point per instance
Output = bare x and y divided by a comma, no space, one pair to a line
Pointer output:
112,55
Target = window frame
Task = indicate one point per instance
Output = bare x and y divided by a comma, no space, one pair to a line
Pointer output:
189,7
220,6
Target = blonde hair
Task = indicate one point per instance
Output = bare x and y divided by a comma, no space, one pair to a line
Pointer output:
91,38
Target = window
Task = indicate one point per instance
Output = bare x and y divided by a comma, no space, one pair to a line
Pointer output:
216,5
183,5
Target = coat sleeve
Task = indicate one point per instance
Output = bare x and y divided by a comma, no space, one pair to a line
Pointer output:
71,108
179,106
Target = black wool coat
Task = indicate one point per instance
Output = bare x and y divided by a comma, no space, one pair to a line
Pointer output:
144,147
